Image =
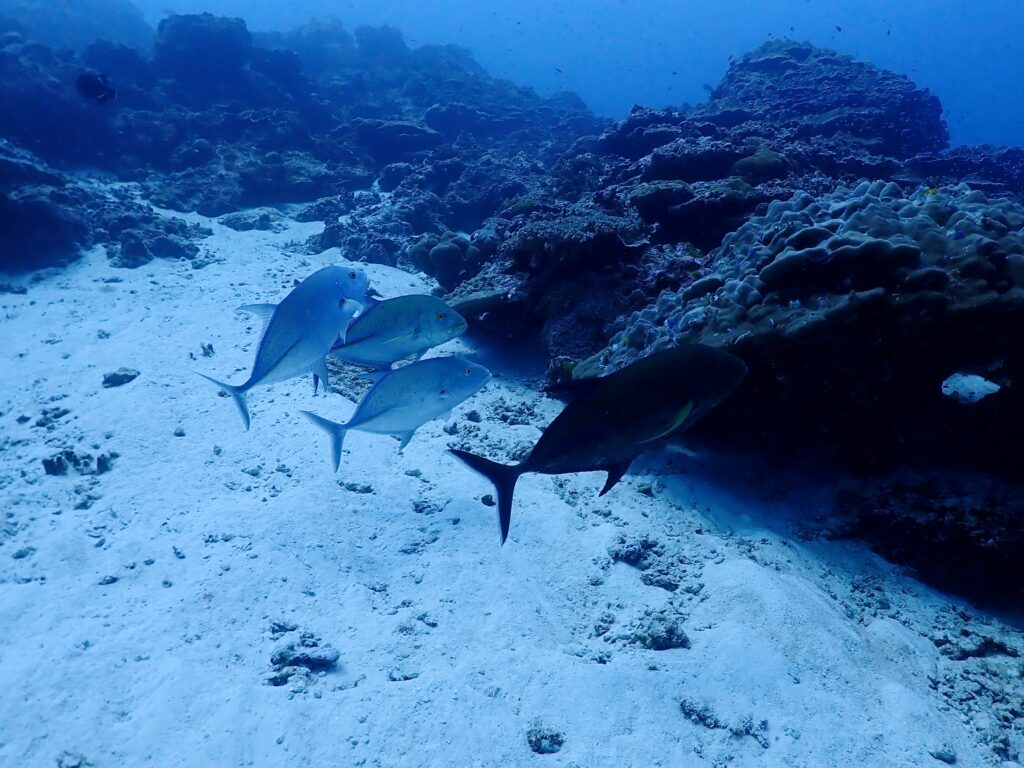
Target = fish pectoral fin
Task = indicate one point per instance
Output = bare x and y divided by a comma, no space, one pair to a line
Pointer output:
677,422
682,449
404,437
375,376
320,374
615,473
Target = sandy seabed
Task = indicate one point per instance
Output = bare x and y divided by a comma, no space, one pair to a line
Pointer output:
140,608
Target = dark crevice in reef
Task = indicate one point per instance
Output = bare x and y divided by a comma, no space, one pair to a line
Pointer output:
809,216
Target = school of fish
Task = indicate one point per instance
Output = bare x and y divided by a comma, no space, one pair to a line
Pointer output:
608,422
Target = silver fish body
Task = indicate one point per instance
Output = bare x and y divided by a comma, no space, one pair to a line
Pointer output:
407,398
395,329
300,332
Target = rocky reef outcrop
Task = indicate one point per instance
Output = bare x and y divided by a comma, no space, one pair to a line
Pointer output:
809,216
958,531
76,24
787,117
820,93
214,121
851,309
49,217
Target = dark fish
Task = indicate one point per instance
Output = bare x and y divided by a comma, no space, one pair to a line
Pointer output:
96,87
707,87
838,28
615,418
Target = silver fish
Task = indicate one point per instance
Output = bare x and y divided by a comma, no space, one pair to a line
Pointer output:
407,398
355,285
299,333
395,329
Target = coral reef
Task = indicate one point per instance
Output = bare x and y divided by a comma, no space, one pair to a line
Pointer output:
870,297
810,215
214,121
959,532
822,93
49,216
787,118
851,310
76,24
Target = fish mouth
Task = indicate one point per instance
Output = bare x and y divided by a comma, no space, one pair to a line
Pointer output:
458,327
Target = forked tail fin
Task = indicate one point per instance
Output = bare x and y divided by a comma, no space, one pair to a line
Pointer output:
504,478
237,394
335,430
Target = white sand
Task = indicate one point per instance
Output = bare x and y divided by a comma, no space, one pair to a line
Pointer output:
167,666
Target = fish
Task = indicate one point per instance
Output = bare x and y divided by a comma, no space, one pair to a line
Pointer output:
615,418
406,399
355,285
95,86
395,329
299,332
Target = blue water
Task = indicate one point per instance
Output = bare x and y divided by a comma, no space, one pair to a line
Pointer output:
709,421
616,53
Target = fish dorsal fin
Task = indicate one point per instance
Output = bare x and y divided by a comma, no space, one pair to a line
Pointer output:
356,330
263,311
615,473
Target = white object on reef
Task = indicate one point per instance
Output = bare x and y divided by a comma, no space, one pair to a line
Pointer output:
968,388
407,398
300,331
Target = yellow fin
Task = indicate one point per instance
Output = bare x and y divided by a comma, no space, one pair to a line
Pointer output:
681,417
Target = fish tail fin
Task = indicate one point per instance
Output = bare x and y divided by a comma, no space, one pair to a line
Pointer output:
335,430
502,476
237,394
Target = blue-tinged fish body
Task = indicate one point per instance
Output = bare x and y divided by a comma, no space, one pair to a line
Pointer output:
301,330
408,397
395,329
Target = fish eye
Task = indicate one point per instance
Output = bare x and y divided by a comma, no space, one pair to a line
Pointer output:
469,371
352,275
341,303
